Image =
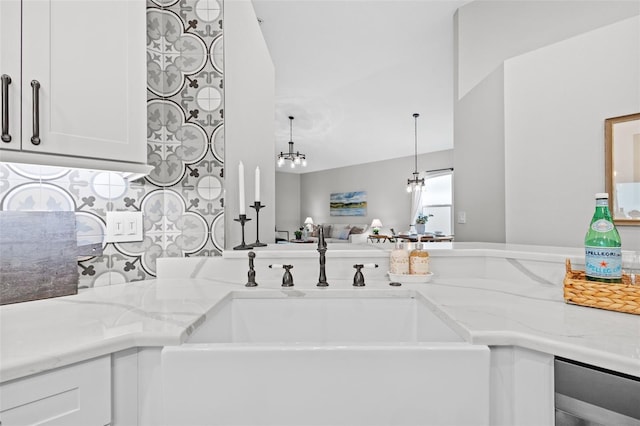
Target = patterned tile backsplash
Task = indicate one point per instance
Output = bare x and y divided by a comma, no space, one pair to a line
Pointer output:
182,199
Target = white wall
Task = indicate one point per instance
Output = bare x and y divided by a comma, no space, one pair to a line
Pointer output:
556,100
479,162
384,181
249,108
551,106
287,204
491,31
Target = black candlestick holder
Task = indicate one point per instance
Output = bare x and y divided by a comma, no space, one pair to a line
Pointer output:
242,219
257,206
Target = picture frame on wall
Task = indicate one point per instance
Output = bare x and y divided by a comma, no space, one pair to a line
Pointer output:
622,168
348,203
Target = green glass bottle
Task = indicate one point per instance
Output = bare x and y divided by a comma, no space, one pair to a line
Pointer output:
602,246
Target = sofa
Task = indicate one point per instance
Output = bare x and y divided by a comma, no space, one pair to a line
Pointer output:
343,232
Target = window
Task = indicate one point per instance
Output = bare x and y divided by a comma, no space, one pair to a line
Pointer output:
437,199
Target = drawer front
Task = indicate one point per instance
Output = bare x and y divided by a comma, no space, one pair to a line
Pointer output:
79,394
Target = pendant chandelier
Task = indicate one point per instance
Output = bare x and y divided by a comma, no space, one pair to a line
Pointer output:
415,183
296,158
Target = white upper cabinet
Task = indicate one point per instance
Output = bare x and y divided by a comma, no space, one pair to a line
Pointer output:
10,73
82,82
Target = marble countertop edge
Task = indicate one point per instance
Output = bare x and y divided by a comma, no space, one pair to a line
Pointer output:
49,361
599,358
45,362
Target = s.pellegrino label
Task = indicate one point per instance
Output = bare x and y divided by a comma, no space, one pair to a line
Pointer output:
602,247
603,262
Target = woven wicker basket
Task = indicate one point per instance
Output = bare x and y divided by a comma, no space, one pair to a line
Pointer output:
613,297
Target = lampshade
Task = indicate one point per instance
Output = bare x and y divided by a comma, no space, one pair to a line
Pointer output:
308,221
376,223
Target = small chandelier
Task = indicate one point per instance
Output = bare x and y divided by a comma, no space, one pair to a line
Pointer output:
295,157
416,183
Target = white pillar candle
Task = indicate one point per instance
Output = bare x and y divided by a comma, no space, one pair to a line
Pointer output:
257,184
241,187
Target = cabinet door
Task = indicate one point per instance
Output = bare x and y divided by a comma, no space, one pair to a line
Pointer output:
77,395
10,70
89,59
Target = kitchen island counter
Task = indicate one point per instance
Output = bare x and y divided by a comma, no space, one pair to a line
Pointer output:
490,294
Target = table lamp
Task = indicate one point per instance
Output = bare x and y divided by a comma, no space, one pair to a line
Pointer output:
376,224
308,223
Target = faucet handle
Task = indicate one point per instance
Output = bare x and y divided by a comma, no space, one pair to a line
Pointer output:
251,281
358,278
287,278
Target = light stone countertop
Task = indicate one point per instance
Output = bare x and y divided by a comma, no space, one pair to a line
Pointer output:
490,294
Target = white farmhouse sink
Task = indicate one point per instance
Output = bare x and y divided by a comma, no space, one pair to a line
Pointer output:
314,317
325,357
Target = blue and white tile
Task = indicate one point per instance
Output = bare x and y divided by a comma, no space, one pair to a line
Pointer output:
216,232
216,142
202,187
203,99
90,229
176,143
125,267
36,172
130,197
96,271
216,53
201,17
173,52
169,229
33,196
208,250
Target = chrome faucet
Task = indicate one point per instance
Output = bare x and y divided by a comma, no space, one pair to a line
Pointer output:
322,249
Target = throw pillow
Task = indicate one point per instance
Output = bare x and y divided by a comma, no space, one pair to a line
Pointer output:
314,232
344,233
327,231
357,230
335,230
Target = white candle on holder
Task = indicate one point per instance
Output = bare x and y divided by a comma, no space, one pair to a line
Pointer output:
241,187
257,184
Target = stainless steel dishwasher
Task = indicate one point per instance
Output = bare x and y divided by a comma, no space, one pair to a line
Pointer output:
589,396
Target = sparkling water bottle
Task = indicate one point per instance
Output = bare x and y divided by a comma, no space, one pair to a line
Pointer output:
602,247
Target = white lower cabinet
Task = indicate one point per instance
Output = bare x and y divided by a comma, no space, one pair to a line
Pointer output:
137,387
521,391
79,394
125,389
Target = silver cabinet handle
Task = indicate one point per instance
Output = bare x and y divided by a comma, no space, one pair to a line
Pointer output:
35,139
6,81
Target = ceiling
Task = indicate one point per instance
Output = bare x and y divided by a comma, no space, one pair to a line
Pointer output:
353,72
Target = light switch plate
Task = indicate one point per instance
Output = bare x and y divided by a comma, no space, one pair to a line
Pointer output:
462,217
124,227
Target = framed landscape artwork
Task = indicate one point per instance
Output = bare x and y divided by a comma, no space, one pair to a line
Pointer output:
348,203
